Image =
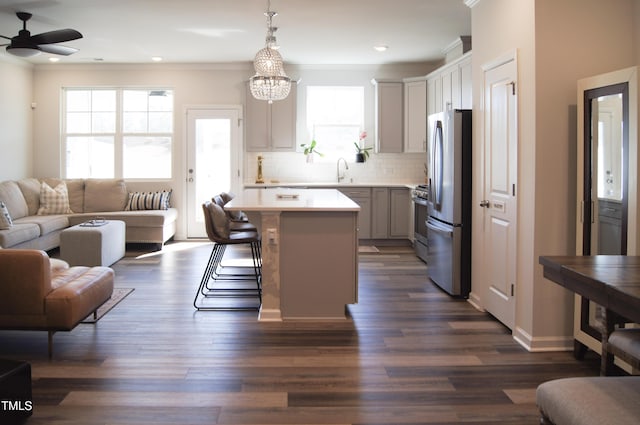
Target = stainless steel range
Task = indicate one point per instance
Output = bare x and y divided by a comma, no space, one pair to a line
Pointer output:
420,197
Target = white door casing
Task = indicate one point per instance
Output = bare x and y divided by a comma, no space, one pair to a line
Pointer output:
214,147
500,187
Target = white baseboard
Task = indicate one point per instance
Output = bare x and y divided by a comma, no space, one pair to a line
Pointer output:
541,344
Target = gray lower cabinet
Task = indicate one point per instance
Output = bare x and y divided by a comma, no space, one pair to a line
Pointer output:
399,212
379,213
384,212
362,197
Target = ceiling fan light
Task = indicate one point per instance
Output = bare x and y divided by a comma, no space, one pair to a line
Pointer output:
23,52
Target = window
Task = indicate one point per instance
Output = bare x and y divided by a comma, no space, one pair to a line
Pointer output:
118,133
335,118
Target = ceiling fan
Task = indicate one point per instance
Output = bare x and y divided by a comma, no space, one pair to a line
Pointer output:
25,45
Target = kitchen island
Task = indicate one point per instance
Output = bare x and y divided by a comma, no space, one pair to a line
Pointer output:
309,251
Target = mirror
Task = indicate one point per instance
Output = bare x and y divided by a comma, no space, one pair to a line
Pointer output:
605,170
606,152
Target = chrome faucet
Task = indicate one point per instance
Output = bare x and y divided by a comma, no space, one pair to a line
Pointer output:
340,177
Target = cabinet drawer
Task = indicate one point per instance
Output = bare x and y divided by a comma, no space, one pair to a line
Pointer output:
609,209
357,192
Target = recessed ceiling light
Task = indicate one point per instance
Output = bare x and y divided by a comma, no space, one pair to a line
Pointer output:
156,58
381,47
54,59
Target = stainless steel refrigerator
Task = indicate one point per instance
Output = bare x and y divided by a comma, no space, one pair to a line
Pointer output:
449,214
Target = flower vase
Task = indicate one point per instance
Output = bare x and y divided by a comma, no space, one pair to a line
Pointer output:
310,158
360,157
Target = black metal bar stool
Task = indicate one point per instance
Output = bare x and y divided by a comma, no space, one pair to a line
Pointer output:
218,229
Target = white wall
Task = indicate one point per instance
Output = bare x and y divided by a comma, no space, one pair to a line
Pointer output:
557,43
16,80
193,84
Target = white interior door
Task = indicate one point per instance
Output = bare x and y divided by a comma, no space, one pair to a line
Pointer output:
214,145
500,202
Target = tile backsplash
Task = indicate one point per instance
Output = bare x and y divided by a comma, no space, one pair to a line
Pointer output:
292,167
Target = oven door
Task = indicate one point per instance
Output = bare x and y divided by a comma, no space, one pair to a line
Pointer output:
420,227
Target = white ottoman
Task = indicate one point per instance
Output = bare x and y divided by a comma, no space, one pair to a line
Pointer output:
84,245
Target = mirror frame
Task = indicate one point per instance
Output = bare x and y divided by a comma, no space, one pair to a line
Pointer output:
588,182
585,335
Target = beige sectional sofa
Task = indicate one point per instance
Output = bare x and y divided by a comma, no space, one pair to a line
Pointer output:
33,227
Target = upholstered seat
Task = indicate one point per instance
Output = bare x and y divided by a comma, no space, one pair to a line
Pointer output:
238,221
590,401
618,341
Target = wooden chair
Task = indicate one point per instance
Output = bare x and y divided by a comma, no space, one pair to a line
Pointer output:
218,229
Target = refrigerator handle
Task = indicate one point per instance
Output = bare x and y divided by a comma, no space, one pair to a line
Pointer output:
438,157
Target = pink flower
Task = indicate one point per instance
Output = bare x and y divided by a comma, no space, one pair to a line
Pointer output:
363,135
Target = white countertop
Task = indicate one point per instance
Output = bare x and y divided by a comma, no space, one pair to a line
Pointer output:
291,199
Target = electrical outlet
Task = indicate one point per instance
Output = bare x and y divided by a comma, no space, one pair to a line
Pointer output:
272,236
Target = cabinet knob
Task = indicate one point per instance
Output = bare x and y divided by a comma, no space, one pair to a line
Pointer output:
485,204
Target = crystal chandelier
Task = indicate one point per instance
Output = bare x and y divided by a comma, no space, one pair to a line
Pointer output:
270,82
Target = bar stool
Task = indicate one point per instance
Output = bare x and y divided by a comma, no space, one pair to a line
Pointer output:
238,220
218,229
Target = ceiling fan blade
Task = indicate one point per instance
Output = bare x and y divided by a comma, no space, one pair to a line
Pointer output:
57,49
8,38
57,36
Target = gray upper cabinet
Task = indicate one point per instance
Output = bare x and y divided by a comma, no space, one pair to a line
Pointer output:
415,115
389,116
450,87
270,127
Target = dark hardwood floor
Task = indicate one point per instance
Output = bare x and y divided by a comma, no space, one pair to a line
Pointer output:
411,355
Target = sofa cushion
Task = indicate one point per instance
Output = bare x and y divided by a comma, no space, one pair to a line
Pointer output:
12,197
5,217
47,223
147,218
101,195
75,189
54,200
18,233
148,201
30,189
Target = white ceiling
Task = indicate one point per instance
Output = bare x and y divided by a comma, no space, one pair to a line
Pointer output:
221,31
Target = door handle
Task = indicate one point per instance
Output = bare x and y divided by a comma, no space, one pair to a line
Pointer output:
485,204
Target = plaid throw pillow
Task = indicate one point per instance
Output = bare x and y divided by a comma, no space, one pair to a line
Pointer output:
148,201
54,201
5,217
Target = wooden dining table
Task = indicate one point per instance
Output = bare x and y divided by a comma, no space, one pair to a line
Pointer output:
612,281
